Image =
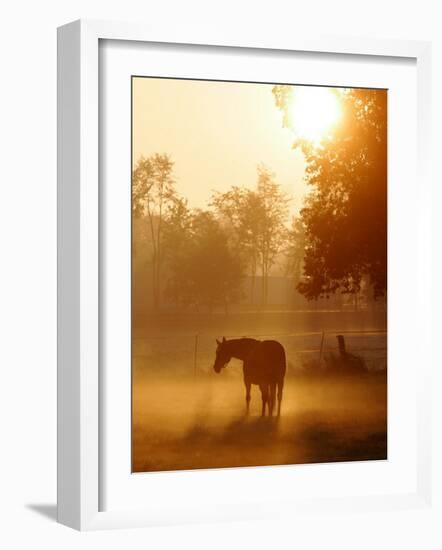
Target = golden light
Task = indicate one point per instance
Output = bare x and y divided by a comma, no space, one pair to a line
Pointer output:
313,111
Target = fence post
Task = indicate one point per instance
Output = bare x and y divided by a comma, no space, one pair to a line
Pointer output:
195,352
321,349
341,344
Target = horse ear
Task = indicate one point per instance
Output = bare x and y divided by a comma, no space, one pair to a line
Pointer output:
218,342
224,339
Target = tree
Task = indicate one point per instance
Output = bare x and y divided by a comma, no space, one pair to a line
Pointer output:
237,209
153,188
271,213
295,250
345,214
203,270
177,250
257,222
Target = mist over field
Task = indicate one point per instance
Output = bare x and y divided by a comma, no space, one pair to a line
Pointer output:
186,416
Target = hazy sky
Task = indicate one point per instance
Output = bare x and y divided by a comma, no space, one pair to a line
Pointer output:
216,133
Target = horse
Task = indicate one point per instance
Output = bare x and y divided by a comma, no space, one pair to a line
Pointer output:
264,364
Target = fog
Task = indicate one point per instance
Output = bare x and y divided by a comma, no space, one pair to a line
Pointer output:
186,416
201,423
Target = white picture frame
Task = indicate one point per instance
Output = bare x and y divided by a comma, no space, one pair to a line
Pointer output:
79,275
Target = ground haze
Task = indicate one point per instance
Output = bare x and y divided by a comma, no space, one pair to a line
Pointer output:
185,416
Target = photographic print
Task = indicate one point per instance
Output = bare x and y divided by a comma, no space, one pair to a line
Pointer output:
259,274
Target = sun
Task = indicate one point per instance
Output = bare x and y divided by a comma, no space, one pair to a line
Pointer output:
313,111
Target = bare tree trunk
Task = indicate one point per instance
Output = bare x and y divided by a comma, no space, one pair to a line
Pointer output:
265,278
154,280
154,259
159,251
252,288
253,281
157,283
266,285
263,284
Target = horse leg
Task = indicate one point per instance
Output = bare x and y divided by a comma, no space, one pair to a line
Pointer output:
248,386
264,395
272,396
280,386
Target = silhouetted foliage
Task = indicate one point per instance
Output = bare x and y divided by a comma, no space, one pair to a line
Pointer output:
203,271
257,222
153,189
295,250
237,209
345,214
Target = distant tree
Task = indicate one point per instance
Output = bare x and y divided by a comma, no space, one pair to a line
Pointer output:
345,214
177,251
237,209
153,189
295,250
203,270
257,222
271,214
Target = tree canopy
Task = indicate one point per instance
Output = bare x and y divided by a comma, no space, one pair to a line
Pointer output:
257,220
203,270
345,214
153,190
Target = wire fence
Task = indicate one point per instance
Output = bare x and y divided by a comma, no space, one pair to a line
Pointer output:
196,352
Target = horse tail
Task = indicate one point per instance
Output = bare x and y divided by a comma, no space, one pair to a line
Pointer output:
280,382
284,363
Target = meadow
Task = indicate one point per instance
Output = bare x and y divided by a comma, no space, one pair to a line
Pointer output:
185,416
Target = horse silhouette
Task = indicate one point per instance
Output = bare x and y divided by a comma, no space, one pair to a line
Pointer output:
264,365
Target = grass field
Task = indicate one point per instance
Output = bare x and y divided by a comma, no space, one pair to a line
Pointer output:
200,422
186,416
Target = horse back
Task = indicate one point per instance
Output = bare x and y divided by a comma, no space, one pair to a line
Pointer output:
266,361
274,352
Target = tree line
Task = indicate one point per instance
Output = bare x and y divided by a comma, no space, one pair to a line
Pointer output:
200,257
344,218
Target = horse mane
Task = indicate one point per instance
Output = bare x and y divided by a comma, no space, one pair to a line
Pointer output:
241,347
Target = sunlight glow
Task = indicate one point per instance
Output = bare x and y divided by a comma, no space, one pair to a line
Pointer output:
313,112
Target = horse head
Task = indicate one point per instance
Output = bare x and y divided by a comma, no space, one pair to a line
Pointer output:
222,355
